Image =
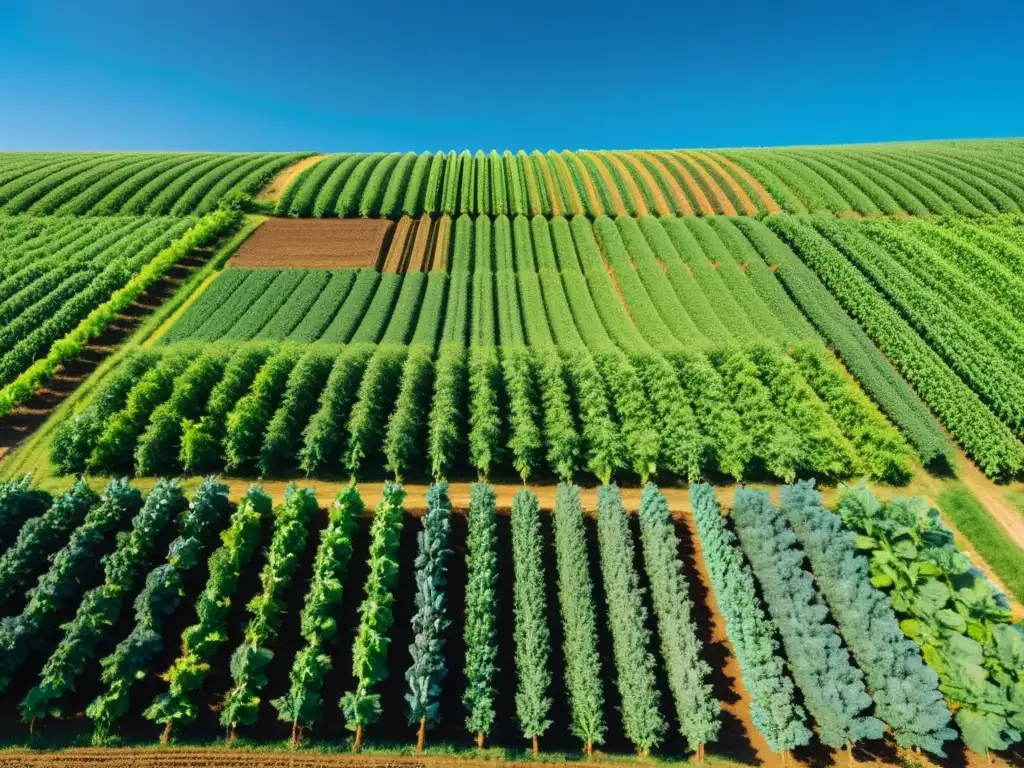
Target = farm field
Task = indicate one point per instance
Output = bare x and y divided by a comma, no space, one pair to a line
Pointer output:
703,456
968,178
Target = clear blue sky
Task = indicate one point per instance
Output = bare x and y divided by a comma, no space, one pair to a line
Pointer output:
331,76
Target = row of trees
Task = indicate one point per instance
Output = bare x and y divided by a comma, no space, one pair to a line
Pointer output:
328,409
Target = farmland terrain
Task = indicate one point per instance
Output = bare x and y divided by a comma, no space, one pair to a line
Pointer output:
684,455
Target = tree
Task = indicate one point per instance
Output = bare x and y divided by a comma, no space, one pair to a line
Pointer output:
481,608
697,709
533,643
369,652
428,669
579,619
627,620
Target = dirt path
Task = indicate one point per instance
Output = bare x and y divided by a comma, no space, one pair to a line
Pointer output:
724,203
395,261
678,195
749,209
284,177
691,183
618,205
628,158
442,235
991,497
766,199
421,255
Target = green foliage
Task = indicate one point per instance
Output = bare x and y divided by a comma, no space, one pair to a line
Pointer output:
963,625
72,569
379,386
524,442
158,600
561,438
445,426
19,502
532,639
905,691
627,618
832,686
601,435
101,607
249,661
201,641
407,423
302,705
247,422
427,670
579,619
697,709
305,384
481,609
773,710
362,706
40,536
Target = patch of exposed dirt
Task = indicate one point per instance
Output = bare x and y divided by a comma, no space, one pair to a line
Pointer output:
421,256
991,497
766,199
316,244
593,199
549,182
401,243
441,237
748,205
560,166
692,186
721,199
277,185
19,424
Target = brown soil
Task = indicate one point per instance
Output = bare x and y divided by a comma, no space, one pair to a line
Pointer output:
593,199
284,177
748,205
559,165
722,199
549,182
678,195
441,237
316,244
609,182
20,423
660,203
691,183
398,253
421,254
766,199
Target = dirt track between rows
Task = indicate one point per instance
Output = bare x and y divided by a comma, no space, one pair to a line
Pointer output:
280,182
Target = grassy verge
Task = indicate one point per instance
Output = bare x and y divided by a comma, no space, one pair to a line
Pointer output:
33,454
985,535
1016,500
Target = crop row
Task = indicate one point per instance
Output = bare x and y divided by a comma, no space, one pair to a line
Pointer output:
328,409
938,301
552,184
868,647
121,183
970,179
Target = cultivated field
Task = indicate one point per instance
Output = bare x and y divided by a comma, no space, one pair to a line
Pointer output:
675,429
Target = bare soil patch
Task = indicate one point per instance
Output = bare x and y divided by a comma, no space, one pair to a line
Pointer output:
560,165
439,246
422,252
549,182
286,176
769,202
593,199
609,182
316,244
20,423
398,254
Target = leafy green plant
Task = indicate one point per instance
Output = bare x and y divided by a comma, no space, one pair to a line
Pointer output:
481,608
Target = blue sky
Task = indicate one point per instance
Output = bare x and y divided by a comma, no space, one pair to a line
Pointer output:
330,76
